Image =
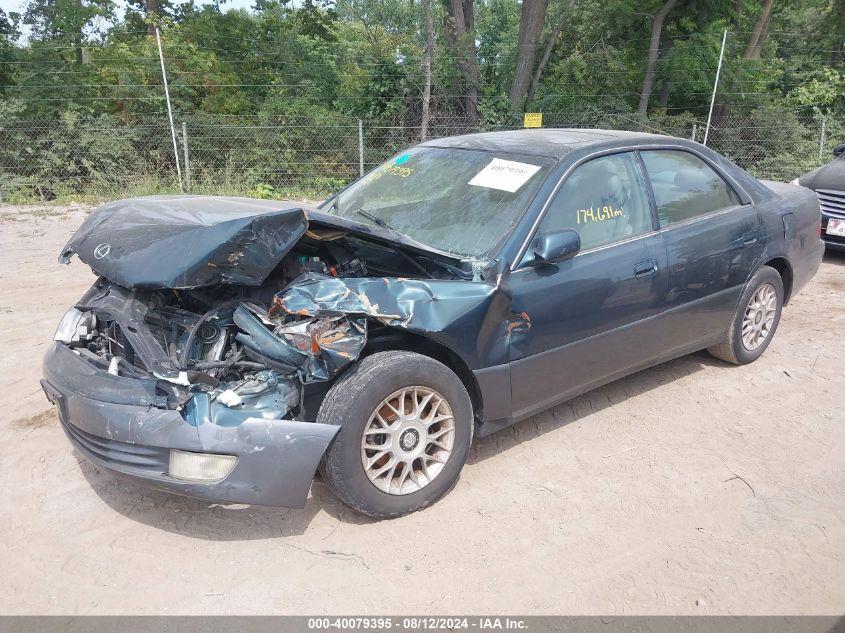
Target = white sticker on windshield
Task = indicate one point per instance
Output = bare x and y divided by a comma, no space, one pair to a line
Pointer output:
504,175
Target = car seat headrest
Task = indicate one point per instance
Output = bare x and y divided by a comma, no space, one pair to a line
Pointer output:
692,180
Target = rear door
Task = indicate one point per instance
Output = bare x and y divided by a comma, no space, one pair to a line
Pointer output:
713,243
591,317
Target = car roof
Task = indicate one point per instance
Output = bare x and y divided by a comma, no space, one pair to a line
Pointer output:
552,142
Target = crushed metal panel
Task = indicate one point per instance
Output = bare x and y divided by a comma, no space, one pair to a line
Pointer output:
329,344
317,348
468,317
187,241
422,304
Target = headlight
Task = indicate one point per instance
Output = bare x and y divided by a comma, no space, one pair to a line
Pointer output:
794,182
76,326
200,467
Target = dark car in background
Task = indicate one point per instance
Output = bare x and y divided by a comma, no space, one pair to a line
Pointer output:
828,181
231,347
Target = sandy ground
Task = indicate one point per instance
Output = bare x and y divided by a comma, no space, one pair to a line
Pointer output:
694,487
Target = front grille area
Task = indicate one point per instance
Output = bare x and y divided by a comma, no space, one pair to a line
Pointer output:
123,455
832,202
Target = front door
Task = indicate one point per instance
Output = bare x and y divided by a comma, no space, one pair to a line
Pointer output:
590,316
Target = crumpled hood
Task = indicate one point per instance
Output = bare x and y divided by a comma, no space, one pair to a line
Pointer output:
187,241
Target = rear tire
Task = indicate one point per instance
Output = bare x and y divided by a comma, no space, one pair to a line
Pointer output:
406,426
756,319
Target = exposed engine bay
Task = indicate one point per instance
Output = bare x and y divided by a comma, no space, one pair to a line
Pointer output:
226,353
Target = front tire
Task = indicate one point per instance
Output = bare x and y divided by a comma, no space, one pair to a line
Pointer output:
756,319
406,427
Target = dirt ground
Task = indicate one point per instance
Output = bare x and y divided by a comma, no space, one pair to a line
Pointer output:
694,487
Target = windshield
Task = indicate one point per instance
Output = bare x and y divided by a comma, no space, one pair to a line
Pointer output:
458,201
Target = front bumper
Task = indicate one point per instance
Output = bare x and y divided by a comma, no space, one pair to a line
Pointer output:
115,423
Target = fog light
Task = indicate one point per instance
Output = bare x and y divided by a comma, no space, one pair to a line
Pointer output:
202,467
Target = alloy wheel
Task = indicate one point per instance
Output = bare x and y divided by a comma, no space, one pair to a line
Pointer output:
408,440
759,317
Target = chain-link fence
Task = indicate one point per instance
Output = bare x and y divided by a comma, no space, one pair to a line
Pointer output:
307,157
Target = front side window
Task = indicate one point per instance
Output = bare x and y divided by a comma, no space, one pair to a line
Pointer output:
685,186
463,202
603,200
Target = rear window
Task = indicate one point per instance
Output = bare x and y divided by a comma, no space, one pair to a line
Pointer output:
685,187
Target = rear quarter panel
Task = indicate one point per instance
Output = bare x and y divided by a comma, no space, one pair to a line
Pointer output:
791,220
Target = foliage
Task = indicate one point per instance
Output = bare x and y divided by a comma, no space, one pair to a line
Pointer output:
271,96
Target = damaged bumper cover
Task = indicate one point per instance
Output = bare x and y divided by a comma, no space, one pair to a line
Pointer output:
115,424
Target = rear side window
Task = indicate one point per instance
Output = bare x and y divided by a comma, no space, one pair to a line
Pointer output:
604,200
685,186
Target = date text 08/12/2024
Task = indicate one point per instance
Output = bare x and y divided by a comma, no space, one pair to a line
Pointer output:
423,623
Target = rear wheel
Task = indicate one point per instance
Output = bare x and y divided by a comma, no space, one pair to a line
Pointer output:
406,426
756,319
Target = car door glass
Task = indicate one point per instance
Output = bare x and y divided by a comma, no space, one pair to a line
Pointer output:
685,186
603,200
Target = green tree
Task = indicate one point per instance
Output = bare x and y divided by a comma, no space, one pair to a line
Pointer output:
8,50
66,21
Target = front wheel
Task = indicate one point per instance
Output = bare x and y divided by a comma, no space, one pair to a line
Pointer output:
406,426
756,319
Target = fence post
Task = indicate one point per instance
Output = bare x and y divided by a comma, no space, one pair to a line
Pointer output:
715,85
187,162
360,148
169,111
694,130
822,139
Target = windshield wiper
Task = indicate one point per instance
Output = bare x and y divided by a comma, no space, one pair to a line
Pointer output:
376,220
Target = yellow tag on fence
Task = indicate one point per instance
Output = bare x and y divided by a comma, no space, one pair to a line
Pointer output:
533,119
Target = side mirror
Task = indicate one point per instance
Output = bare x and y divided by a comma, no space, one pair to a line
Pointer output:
838,150
551,247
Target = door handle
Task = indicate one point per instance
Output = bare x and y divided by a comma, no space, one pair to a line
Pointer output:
645,269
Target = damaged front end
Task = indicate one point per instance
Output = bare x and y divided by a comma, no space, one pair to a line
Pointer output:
208,402
199,369
234,354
